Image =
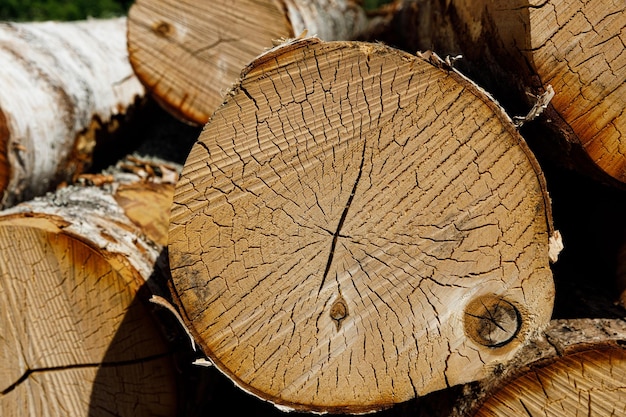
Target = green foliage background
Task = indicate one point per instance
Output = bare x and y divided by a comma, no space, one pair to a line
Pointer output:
30,10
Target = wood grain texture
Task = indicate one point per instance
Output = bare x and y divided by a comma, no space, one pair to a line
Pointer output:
584,384
338,214
60,82
190,53
77,335
579,47
517,48
578,369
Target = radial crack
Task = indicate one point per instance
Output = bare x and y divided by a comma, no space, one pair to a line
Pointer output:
341,220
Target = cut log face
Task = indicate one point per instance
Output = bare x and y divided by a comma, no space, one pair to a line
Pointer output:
579,369
60,82
78,337
584,384
147,206
579,48
59,323
189,53
354,227
519,48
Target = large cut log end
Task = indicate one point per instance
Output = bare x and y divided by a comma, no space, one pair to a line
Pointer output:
75,333
357,226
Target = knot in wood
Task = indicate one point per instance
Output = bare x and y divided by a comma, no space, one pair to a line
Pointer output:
162,28
339,311
492,321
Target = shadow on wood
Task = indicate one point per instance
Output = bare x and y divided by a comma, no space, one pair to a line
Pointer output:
136,382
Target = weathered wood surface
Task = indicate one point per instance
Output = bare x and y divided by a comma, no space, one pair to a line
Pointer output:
357,226
517,48
577,368
78,336
59,83
190,53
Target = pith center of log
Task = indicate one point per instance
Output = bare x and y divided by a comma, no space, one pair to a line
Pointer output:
342,219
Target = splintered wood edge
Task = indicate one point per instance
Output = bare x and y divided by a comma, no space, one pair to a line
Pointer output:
574,46
270,58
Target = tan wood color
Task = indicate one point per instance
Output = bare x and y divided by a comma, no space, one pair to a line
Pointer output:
579,48
189,53
589,383
77,334
518,48
578,369
61,81
355,225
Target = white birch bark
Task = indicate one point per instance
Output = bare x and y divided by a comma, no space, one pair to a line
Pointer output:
56,80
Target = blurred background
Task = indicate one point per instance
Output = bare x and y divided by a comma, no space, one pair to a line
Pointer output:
29,10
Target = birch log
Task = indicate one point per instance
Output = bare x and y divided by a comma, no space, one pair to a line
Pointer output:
517,48
59,83
577,369
357,226
77,335
188,53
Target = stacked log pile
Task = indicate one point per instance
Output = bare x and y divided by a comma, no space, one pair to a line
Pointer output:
517,49
189,53
357,227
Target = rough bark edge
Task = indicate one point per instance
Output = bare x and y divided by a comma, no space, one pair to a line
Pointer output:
329,20
98,220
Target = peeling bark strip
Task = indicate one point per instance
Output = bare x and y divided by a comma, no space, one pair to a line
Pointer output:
189,53
577,369
518,48
338,216
77,337
59,82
